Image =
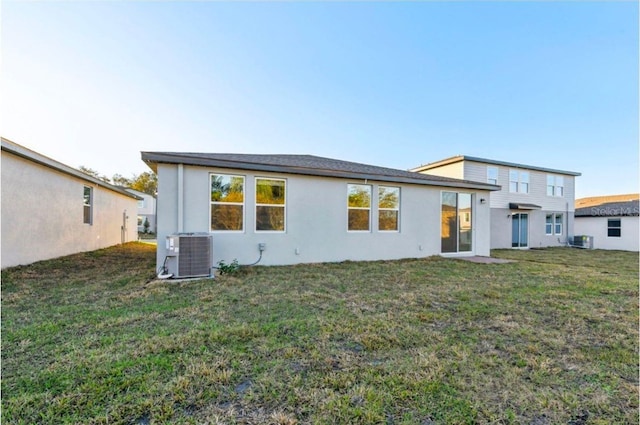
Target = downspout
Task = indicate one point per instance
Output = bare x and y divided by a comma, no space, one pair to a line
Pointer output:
180,197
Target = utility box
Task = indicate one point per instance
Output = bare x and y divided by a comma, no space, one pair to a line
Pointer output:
189,255
583,241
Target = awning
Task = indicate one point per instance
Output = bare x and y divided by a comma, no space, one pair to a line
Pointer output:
521,206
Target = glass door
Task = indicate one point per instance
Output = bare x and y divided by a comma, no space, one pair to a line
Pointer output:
520,230
456,222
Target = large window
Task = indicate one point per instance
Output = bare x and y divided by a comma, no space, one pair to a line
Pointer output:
518,181
359,207
555,185
388,208
492,175
88,205
456,228
553,224
614,227
270,205
227,202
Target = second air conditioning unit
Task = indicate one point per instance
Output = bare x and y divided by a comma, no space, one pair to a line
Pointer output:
189,255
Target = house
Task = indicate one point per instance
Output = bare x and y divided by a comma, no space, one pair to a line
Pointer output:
534,207
50,209
611,220
146,210
308,209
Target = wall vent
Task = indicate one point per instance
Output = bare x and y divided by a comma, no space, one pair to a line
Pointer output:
189,255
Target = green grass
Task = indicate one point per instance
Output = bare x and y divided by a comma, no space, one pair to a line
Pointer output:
551,338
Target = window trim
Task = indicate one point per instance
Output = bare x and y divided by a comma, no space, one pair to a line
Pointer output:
557,219
88,204
370,208
497,173
618,227
520,181
256,204
397,209
554,187
243,204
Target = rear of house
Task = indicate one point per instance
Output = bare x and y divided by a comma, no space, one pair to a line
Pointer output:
534,208
50,210
612,221
308,209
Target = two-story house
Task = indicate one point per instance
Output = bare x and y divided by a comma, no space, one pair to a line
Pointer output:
146,210
534,208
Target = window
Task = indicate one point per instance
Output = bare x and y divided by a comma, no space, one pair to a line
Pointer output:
558,224
456,217
553,224
88,203
140,220
388,208
614,227
492,175
227,202
270,205
141,203
518,181
555,185
359,207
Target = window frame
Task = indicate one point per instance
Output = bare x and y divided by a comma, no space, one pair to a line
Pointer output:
87,215
558,219
396,209
522,180
243,203
490,178
349,208
555,185
283,205
549,220
617,229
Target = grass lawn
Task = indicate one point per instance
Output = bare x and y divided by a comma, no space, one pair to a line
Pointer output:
549,339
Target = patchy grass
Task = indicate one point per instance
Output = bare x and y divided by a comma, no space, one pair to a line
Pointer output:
551,338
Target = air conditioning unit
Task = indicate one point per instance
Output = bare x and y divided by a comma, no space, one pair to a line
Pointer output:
583,241
189,255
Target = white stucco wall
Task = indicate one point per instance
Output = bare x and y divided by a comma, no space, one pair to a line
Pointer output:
316,220
42,214
501,228
597,227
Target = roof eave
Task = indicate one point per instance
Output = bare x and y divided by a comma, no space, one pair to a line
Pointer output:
460,158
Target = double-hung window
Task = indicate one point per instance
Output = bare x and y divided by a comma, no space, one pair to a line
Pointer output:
359,207
88,205
388,208
555,185
518,181
553,224
227,202
270,204
614,227
492,175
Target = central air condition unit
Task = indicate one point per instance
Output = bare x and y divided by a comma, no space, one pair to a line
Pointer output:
189,255
583,241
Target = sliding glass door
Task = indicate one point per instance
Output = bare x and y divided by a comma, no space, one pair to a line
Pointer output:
456,222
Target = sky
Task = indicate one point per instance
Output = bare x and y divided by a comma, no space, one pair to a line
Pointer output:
395,84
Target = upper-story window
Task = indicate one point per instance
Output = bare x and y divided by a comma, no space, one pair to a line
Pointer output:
492,175
359,207
388,208
88,205
270,204
555,185
141,203
227,202
518,181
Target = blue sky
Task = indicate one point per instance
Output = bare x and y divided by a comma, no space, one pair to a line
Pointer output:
396,84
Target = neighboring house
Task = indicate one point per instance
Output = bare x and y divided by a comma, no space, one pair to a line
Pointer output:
611,220
51,210
309,209
534,208
146,210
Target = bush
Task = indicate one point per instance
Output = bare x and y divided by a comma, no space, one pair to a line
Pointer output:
230,268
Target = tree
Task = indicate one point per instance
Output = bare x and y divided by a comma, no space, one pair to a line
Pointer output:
120,180
146,182
146,225
94,173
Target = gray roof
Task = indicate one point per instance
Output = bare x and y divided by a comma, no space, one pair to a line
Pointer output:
610,209
459,158
33,156
306,165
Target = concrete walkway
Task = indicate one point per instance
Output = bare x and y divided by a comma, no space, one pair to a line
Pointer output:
485,260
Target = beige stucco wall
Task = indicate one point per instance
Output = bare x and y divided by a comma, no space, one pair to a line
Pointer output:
42,214
597,227
316,220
